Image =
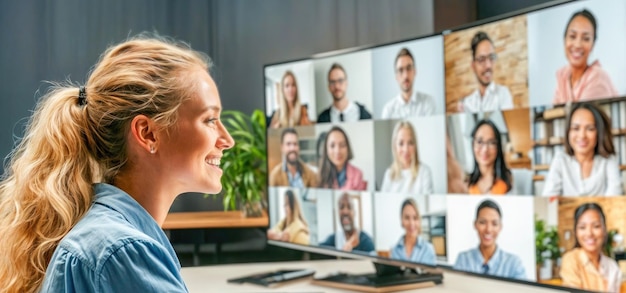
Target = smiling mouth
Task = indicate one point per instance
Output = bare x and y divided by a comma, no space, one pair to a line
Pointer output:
214,162
582,144
590,241
576,55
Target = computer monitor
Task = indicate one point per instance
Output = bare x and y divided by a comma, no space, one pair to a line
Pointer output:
399,152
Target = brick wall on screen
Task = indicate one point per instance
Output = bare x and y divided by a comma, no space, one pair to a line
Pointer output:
511,69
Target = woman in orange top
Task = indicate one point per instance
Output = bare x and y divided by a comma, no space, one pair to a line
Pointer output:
586,267
490,175
291,112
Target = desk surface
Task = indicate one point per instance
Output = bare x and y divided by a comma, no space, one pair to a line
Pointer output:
213,278
214,219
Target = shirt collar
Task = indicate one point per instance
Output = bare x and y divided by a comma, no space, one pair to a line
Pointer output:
602,264
298,168
494,261
334,110
412,98
418,244
491,88
121,202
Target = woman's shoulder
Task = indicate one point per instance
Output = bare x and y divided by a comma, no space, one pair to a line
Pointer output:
353,169
596,71
607,159
571,256
511,257
598,82
563,73
610,263
424,168
95,238
297,224
561,158
427,244
499,187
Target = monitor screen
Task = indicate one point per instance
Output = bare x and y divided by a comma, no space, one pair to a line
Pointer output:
497,149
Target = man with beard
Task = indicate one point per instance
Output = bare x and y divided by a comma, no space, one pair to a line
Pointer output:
292,172
342,108
351,239
407,104
489,96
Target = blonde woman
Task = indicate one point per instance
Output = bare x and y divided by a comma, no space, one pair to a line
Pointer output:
406,174
293,228
291,112
91,182
411,246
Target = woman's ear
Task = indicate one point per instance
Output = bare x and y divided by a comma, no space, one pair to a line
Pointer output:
143,132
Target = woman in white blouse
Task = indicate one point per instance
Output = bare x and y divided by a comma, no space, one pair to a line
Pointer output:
589,165
406,174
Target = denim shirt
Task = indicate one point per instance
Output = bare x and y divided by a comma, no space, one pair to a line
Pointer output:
342,176
116,247
501,264
423,252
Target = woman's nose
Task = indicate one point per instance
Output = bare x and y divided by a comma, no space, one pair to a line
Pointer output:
225,141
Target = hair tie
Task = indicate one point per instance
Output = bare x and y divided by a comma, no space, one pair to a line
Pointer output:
82,96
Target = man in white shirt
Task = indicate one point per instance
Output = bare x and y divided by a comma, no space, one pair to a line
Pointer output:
342,109
489,96
407,104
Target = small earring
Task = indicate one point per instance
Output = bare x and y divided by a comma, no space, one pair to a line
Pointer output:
152,150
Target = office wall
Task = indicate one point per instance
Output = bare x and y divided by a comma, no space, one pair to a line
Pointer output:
57,40
60,40
251,34
491,8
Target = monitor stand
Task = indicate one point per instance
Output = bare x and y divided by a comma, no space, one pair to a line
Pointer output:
386,279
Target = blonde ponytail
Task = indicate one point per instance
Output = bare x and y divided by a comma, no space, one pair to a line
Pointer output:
46,191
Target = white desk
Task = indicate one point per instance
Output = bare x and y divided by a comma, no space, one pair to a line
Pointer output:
213,278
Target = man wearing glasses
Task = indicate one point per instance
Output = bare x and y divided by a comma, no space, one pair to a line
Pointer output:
342,108
489,96
407,104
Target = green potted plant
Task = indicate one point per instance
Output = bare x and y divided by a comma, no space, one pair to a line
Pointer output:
547,250
608,248
244,179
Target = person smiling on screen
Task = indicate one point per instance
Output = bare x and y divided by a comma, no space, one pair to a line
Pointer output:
489,96
488,258
586,267
490,175
579,80
408,103
336,172
588,166
406,174
293,228
291,112
292,171
350,238
412,247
